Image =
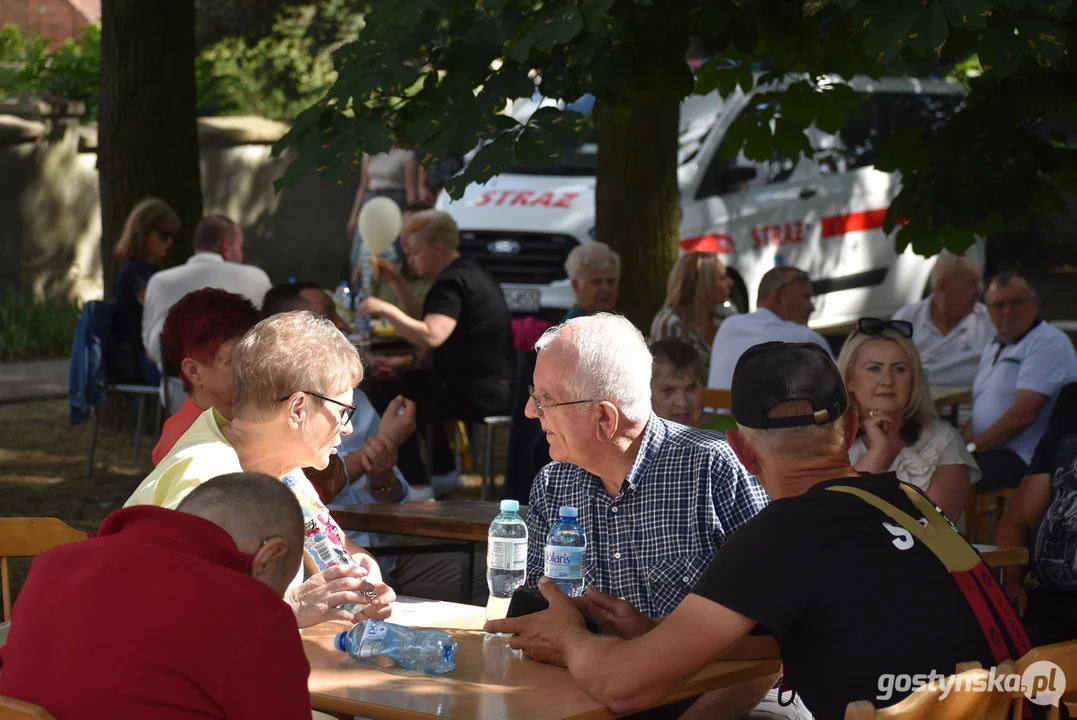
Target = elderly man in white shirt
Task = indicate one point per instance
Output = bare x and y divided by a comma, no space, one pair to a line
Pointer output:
1021,374
784,306
216,263
950,328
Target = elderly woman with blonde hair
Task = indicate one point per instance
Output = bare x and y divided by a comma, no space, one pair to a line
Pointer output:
899,428
293,374
698,286
594,271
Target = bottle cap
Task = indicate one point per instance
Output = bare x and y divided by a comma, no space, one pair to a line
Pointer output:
569,511
510,506
341,641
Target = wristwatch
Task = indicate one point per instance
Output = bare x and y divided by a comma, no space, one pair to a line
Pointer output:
971,447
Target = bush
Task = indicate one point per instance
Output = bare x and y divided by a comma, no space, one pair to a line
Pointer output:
31,329
71,71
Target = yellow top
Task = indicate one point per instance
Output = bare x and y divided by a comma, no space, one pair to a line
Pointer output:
199,455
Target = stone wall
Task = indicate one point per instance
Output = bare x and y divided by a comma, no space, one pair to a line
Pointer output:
50,221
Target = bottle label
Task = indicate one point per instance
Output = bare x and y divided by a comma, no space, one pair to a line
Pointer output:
564,563
506,554
372,638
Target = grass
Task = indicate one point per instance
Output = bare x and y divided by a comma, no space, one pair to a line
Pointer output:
31,329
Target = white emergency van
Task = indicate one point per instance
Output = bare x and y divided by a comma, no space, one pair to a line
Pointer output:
823,215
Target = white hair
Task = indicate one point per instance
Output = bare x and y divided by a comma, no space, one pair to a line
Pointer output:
611,362
595,255
794,442
947,262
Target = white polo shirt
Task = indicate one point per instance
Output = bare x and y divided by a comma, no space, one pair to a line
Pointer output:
1042,361
737,333
954,358
202,270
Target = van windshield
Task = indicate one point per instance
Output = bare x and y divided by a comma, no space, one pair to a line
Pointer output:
698,114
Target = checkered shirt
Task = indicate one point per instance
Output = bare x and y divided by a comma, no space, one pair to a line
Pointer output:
686,492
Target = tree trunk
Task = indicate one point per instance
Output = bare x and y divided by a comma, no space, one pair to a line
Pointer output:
637,204
147,135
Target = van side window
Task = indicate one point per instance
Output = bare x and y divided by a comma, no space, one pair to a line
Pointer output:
730,175
883,113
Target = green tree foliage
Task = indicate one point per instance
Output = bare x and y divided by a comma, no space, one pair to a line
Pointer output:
70,71
435,75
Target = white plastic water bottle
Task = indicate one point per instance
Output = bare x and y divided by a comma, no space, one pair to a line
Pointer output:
428,651
342,298
506,558
564,553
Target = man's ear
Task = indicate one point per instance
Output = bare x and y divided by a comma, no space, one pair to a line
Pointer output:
743,451
269,560
608,421
192,370
851,426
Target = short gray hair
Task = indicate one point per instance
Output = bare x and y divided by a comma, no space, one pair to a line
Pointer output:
595,255
947,262
612,361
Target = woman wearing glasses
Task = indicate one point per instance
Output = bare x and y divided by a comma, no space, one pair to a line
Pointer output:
293,373
899,429
146,239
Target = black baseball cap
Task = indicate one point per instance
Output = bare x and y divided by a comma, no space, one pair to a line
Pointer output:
773,373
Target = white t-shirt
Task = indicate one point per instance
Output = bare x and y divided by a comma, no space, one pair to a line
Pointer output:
202,270
939,444
1042,361
950,359
737,333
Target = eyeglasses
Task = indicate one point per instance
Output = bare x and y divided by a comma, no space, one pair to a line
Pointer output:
800,275
539,407
345,414
875,326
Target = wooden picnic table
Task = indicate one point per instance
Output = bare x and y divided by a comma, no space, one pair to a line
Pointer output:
491,680
951,396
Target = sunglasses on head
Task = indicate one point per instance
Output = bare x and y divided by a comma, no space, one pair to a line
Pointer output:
875,326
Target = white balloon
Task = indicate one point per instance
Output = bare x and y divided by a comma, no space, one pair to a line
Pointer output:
380,221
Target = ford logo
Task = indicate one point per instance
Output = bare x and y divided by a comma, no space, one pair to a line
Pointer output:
503,247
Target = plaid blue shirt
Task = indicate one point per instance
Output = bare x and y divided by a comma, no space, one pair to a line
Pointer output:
684,495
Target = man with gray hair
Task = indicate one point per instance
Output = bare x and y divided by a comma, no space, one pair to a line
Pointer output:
595,271
784,305
656,499
855,579
950,326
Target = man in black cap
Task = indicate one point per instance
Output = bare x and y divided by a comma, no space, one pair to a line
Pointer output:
857,578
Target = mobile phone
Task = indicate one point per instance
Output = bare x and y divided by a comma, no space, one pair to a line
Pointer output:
527,600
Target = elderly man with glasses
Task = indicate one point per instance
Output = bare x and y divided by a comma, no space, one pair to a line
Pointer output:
784,306
1020,375
656,499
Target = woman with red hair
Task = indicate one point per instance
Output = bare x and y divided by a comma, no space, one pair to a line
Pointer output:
199,334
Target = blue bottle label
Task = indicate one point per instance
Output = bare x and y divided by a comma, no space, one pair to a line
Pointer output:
564,563
372,638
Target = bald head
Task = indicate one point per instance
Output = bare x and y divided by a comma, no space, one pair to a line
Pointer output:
949,267
955,288
787,292
261,515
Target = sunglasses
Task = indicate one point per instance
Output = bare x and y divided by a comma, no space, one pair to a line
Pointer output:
875,326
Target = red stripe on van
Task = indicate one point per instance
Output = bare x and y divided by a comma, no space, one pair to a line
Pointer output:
838,225
721,243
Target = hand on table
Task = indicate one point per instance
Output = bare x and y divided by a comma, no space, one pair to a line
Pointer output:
319,598
542,635
618,617
398,420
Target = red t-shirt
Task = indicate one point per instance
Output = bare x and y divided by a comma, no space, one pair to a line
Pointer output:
174,428
156,617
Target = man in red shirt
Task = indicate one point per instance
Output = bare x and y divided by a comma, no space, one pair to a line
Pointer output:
168,614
